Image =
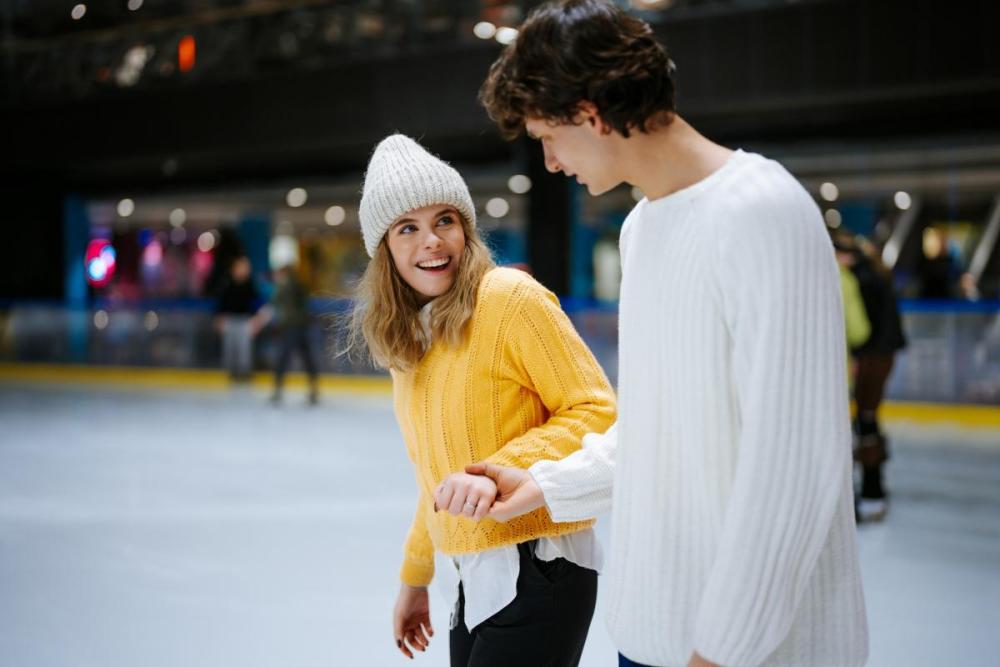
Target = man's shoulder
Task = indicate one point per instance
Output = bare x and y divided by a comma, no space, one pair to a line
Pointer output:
629,221
764,193
762,182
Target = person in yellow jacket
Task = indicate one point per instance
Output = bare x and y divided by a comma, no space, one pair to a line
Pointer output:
485,366
856,324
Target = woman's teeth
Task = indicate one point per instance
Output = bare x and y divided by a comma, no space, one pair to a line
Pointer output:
434,263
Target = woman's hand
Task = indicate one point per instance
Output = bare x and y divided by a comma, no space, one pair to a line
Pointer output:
468,495
517,492
411,620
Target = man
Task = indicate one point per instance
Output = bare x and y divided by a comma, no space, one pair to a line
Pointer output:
733,531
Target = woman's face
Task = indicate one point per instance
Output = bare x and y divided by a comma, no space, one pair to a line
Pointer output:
426,246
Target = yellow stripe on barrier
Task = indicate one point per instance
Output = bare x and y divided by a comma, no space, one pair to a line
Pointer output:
181,378
971,416
975,416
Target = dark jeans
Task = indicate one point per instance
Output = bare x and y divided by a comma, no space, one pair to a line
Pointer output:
625,662
869,384
545,626
294,339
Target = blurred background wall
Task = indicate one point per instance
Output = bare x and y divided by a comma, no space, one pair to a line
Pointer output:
147,143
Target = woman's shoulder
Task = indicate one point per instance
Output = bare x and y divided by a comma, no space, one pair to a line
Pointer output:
504,282
513,295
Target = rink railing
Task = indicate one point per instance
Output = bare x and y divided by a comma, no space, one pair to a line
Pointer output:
953,354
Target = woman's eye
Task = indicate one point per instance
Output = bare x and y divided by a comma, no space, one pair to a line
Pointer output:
407,229
446,220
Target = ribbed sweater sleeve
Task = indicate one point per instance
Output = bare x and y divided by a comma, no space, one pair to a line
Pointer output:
548,355
418,550
579,486
781,301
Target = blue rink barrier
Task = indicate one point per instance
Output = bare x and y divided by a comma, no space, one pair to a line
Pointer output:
953,355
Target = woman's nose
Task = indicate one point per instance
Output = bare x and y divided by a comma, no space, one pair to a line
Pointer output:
431,240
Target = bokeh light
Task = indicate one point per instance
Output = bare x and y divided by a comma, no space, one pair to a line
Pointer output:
519,184
497,207
829,191
335,215
99,262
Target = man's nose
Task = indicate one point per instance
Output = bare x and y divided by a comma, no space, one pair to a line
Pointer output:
551,163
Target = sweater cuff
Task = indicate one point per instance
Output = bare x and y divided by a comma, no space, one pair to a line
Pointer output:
416,573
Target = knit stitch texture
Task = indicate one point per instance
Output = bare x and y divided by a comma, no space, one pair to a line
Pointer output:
522,388
402,177
729,468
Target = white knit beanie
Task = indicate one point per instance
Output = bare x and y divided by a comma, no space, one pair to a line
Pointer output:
402,176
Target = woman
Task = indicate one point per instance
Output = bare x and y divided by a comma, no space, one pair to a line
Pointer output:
485,366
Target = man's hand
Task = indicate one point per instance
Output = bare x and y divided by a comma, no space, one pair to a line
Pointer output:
411,620
466,495
698,661
517,492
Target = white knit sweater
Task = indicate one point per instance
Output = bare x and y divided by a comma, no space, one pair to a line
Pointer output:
732,527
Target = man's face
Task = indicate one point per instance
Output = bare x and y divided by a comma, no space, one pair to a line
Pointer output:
581,150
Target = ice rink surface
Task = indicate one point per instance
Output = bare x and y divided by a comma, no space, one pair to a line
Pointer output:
154,529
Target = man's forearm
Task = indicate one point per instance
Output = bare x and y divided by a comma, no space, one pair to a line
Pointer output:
579,487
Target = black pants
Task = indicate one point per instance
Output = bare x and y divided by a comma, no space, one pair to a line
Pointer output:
869,386
545,626
294,339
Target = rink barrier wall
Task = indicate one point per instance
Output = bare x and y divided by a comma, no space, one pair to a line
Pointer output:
952,356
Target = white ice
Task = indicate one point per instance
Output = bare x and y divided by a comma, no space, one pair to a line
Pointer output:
155,529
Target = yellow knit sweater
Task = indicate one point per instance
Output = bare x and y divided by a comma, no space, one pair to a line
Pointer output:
522,388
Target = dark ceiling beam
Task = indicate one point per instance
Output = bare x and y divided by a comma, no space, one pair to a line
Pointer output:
808,71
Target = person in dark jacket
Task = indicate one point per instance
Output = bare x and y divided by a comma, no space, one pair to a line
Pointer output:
234,312
289,310
874,360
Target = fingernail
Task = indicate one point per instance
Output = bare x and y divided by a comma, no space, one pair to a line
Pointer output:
399,643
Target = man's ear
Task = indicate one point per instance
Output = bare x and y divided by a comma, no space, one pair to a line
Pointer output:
590,115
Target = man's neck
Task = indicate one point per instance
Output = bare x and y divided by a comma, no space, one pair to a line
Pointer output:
670,158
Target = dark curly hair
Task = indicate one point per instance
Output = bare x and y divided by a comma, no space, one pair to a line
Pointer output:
581,50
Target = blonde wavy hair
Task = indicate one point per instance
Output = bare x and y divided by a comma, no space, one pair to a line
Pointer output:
385,320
